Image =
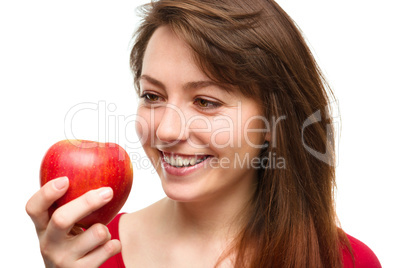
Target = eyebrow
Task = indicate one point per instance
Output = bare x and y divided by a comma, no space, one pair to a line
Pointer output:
189,85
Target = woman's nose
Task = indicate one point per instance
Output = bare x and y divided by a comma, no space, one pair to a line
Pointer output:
172,125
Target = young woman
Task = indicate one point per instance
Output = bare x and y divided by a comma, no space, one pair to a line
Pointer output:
235,118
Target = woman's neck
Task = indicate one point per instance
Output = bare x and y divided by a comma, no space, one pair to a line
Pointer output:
221,217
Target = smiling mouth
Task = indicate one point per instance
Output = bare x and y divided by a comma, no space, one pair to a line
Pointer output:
182,161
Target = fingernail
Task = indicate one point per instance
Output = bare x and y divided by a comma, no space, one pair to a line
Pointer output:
60,183
106,193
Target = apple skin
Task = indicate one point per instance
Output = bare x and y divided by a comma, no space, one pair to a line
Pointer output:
89,165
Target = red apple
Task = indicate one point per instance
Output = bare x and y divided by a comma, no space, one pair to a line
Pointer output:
89,165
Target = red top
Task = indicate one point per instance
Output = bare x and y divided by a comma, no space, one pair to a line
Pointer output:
364,256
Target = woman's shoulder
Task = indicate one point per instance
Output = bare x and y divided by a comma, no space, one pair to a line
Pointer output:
142,218
138,233
363,255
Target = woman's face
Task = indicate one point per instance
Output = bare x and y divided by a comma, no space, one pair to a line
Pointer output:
202,140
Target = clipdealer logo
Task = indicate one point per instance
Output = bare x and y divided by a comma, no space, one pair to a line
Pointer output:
120,129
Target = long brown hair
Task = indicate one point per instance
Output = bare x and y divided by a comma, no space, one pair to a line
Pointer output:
255,45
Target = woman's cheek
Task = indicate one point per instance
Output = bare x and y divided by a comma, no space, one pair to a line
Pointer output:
223,133
142,128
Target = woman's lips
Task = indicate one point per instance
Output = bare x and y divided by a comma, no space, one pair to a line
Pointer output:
182,155
183,170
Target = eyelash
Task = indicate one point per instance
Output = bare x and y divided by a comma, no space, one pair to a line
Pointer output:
146,96
211,104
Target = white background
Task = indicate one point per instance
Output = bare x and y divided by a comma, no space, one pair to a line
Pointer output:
57,54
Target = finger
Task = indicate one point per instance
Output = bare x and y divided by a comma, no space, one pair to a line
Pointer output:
65,217
97,235
76,230
98,256
38,205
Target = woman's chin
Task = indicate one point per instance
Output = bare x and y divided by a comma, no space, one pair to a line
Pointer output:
180,195
185,193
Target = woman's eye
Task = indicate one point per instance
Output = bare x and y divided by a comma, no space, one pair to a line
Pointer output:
206,104
201,103
150,97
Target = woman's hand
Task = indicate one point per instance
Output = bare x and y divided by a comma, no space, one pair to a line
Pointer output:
58,245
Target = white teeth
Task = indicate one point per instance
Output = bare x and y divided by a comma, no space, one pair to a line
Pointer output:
179,161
